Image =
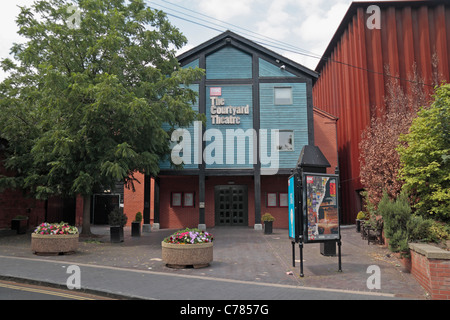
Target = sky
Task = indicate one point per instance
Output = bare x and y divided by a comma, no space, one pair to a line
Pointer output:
297,29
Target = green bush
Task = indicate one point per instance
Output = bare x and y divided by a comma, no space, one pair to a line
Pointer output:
402,227
396,215
267,217
117,217
425,158
138,217
439,232
419,229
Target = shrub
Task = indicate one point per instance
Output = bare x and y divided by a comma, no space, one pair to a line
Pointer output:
138,217
425,158
419,229
396,215
267,217
402,227
117,217
439,232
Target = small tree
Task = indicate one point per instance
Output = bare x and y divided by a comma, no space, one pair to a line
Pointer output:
425,158
379,159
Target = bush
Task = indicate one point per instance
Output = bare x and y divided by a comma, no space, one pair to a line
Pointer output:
396,215
267,217
419,229
138,217
117,217
402,227
425,158
439,232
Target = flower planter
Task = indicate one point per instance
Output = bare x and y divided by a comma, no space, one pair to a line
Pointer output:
46,244
187,255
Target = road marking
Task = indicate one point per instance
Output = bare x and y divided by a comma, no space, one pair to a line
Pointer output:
43,291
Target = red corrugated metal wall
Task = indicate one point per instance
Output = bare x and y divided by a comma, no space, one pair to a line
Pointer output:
353,79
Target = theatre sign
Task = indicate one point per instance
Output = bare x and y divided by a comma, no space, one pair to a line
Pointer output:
223,114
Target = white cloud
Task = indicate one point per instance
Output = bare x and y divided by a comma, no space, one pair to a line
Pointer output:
321,27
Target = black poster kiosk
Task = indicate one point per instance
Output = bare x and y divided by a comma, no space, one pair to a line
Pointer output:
314,215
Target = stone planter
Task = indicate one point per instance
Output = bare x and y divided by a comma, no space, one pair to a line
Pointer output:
187,255
45,244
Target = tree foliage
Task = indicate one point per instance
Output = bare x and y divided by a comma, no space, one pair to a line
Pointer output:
425,158
379,159
83,106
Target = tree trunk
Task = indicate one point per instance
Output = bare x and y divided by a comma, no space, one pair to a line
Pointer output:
86,226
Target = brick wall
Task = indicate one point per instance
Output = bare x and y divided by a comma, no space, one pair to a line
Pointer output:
430,266
134,200
178,217
272,184
181,217
15,202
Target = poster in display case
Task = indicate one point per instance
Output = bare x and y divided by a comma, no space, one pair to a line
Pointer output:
321,209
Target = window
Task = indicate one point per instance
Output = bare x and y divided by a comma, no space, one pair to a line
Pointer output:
176,199
271,201
188,199
286,140
283,200
283,96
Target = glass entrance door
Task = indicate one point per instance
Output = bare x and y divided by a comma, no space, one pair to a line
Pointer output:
231,205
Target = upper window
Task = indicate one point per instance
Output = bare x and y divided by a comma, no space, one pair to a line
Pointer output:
286,140
283,96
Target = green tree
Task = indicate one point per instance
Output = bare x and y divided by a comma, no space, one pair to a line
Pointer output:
425,158
87,94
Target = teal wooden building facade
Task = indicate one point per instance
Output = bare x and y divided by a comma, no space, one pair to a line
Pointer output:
259,115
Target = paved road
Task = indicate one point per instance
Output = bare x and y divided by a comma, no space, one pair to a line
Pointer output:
140,284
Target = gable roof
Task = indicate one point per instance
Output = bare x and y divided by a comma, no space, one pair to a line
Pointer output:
229,37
